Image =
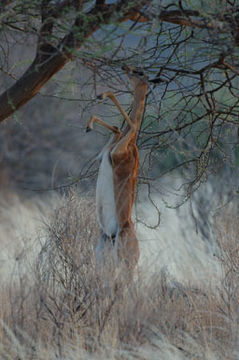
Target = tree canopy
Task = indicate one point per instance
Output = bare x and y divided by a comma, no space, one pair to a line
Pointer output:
187,48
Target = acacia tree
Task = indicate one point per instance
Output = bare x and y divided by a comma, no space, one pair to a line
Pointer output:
189,50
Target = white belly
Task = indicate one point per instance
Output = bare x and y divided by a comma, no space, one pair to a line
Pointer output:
105,200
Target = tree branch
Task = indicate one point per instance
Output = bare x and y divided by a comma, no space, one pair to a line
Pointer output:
49,62
49,59
184,17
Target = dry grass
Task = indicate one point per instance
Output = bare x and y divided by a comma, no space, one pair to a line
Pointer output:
65,309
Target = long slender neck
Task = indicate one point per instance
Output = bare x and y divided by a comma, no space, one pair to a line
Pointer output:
138,104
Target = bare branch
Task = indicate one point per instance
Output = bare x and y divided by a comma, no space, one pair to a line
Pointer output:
191,18
49,60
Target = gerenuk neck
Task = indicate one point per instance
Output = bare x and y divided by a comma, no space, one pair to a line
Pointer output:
138,104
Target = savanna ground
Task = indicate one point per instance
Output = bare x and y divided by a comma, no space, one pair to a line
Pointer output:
56,305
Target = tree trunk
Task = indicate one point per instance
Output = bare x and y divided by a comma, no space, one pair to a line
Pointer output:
30,83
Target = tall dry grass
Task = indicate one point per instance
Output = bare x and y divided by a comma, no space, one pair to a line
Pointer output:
66,308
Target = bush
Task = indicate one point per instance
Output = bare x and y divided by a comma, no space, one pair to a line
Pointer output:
67,309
